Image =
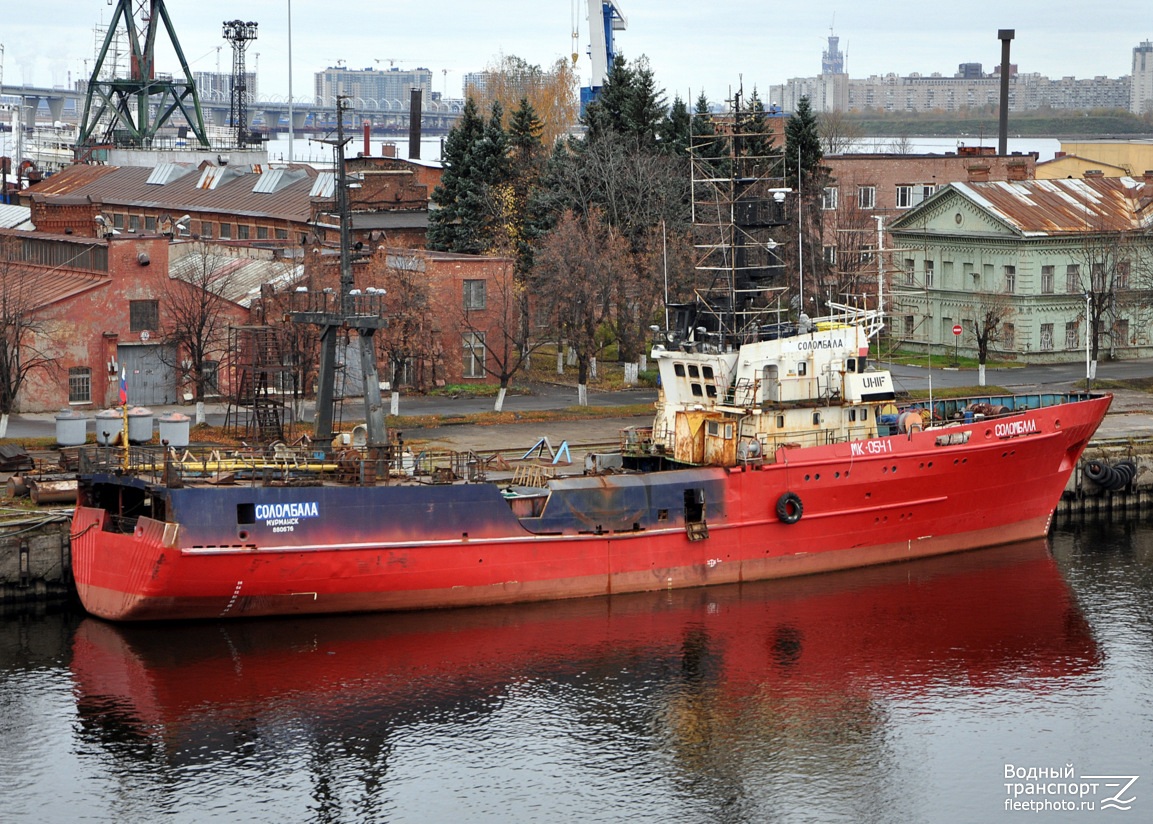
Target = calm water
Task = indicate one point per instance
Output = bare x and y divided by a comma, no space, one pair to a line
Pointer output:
890,695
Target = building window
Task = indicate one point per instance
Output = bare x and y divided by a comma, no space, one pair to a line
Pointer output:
1008,337
1046,337
226,231
831,255
79,384
929,272
134,223
1073,278
1098,277
473,354
262,233
210,371
1121,275
1010,279
242,231
206,229
143,315
281,234
910,271
1047,280
118,220
149,223
829,198
1071,337
909,196
867,197
474,294
910,327
1121,332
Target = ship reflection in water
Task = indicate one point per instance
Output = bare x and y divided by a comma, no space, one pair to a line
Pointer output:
787,700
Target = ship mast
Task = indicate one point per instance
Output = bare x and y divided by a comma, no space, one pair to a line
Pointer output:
349,310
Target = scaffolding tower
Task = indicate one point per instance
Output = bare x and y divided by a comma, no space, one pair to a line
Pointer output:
738,203
256,409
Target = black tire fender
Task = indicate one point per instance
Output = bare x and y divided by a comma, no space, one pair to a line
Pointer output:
789,508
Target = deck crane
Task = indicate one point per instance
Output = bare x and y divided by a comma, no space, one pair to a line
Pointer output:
605,17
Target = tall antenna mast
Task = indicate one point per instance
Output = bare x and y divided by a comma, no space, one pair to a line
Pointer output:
239,34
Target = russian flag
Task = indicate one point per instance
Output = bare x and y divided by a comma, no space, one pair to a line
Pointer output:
123,386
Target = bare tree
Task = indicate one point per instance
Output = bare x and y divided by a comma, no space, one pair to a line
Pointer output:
197,309
850,271
20,353
578,266
1114,276
410,341
839,132
989,317
495,330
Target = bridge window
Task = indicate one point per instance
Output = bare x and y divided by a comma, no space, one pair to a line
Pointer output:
679,370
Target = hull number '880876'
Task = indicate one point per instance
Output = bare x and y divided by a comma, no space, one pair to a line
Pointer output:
878,447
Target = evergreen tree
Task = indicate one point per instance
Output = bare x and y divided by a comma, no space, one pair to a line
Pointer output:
644,107
606,115
445,223
803,140
472,194
674,131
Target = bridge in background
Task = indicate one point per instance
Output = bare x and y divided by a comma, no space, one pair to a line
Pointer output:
437,116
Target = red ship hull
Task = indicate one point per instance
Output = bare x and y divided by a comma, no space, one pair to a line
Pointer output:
358,549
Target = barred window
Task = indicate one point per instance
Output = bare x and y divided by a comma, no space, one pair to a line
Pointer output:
143,314
79,384
1046,336
1072,339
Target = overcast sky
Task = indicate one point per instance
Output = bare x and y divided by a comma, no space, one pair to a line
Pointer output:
692,46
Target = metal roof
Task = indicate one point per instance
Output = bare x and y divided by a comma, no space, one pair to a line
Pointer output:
1066,205
236,278
228,189
14,217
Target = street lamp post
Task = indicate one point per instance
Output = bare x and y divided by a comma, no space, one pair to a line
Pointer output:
1088,333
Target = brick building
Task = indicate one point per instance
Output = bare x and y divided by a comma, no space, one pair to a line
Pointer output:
98,306
864,187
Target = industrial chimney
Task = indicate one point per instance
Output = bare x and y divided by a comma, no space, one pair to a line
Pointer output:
414,125
1005,36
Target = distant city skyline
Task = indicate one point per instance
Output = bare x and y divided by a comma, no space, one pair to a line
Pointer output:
691,47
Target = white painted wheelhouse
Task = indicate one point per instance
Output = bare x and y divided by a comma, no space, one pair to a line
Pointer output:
807,384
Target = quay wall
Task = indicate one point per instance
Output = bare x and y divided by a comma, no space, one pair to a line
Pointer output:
35,559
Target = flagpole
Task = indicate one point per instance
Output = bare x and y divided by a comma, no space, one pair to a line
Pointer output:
124,411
